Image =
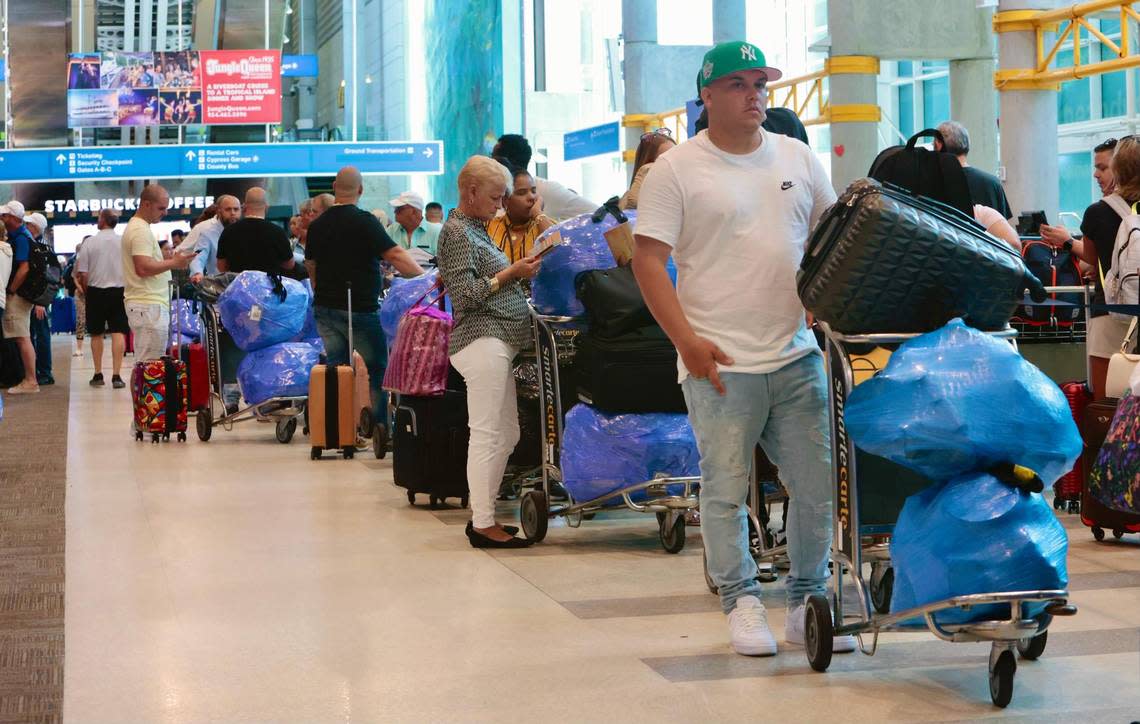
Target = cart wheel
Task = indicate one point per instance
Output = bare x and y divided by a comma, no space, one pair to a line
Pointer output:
1098,532
204,423
380,441
366,424
1001,678
1031,649
672,534
1117,533
285,430
315,453
660,519
181,437
533,515
411,497
464,501
713,588
818,632
882,586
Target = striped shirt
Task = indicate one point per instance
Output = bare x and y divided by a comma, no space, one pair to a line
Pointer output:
516,242
468,259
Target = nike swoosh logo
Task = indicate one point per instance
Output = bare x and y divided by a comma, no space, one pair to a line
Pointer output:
786,185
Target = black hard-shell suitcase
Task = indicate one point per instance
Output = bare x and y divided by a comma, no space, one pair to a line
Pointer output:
633,372
429,446
884,260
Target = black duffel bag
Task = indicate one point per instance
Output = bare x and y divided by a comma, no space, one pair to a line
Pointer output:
613,301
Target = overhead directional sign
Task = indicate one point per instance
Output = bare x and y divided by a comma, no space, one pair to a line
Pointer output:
591,141
111,163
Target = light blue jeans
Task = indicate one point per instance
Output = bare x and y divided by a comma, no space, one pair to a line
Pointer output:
786,412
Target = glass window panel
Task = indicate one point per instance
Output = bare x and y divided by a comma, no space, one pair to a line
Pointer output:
936,101
1110,27
1113,94
906,69
1073,102
1075,178
906,109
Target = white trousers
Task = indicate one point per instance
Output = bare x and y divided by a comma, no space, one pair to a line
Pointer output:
150,324
493,418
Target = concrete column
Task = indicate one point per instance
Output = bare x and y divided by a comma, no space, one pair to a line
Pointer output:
972,104
1028,126
639,31
853,145
729,20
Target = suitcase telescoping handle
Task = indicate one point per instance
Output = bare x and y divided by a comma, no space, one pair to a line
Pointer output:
351,349
175,296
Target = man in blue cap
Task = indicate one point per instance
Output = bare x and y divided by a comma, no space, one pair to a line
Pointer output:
734,206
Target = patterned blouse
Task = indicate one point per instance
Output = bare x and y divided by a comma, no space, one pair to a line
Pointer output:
468,259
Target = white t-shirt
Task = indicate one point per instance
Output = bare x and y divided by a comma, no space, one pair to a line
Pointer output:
738,225
101,257
560,203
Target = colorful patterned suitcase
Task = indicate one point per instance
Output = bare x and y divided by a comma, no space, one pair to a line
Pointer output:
158,391
1112,493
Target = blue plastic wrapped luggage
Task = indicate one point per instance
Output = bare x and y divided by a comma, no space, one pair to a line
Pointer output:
184,312
583,248
602,453
309,329
956,401
975,534
181,341
258,310
281,370
401,296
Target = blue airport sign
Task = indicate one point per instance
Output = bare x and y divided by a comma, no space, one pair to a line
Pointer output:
593,141
3,71
112,163
299,66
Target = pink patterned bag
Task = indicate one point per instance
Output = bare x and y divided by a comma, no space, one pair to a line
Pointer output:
418,362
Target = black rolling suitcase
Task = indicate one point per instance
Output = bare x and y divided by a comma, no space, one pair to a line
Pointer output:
429,446
885,260
632,372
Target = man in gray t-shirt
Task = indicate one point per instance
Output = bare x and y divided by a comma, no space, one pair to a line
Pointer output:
99,275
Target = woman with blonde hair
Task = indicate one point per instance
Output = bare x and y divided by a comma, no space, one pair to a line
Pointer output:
492,324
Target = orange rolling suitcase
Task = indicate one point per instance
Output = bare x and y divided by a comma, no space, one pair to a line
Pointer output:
332,411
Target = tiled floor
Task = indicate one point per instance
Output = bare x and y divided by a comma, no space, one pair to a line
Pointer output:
236,580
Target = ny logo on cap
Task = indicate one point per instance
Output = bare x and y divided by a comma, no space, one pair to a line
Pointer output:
747,52
707,69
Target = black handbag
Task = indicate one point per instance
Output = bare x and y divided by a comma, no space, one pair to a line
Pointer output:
613,301
884,260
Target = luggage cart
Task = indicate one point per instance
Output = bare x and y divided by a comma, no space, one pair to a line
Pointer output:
222,357
535,509
1027,636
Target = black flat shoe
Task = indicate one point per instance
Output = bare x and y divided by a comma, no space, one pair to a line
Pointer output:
508,529
478,540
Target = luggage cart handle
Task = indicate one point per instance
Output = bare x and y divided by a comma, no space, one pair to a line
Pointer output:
897,337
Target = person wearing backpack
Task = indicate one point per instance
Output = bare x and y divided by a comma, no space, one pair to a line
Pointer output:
18,311
1100,226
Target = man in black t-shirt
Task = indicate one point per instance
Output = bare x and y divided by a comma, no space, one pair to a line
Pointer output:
253,242
985,188
345,245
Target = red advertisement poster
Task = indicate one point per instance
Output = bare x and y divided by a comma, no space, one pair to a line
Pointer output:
241,86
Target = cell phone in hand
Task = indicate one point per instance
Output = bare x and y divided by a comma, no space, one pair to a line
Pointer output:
551,243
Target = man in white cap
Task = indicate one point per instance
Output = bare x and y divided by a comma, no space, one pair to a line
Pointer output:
18,311
409,230
37,224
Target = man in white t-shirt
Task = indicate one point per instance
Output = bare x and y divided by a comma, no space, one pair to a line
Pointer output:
734,206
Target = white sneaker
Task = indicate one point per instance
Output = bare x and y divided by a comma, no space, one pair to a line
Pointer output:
748,630
24,389
794,632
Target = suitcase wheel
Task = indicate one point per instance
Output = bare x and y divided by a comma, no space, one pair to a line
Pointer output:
349,453
138,436
181,437
463,501
411,497
1098,532
315,453
154,438
1117,533
434,502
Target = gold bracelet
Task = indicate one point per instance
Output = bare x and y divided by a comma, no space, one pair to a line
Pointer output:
493,285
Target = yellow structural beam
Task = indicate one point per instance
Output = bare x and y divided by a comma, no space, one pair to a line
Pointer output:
1070,22
805,94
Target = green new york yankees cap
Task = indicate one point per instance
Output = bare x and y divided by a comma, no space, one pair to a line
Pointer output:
730,57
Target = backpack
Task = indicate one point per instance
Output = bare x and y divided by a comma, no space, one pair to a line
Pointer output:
933,174
1122,280
69,275
45,276
1055,268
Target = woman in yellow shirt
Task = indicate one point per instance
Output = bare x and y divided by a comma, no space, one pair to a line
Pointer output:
515,231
